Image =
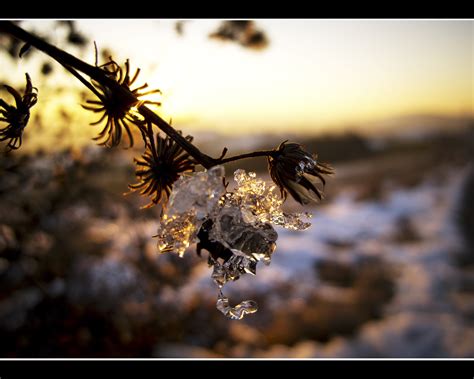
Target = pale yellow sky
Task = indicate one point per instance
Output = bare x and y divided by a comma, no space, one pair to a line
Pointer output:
315,74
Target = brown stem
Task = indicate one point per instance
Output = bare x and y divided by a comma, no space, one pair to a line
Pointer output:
262,153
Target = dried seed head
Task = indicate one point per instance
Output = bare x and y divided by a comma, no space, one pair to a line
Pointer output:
297,172
115,108
17,116
159,167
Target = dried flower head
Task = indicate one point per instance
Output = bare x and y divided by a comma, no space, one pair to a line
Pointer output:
297,172
159,167
17,116
115,108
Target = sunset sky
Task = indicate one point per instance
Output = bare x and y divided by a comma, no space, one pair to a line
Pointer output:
315,74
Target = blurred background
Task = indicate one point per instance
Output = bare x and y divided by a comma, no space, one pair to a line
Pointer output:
387,267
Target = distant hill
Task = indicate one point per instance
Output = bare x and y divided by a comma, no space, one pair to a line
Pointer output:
335,148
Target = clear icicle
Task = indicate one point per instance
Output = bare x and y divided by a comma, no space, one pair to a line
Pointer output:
239,311
230,271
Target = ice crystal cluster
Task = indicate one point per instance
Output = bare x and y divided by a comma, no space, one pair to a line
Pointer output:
194,197
235,227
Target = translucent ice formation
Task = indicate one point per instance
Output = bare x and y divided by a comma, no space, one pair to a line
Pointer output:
260,203
239,311
194,196
234,227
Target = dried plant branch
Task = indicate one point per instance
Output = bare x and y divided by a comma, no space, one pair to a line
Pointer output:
261,153
73,64
292,168
99,76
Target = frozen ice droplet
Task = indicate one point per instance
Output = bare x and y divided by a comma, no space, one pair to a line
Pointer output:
239,311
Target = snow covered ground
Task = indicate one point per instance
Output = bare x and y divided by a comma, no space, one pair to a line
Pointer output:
423,319
373,277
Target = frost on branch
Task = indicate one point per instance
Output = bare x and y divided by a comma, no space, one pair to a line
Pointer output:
236,228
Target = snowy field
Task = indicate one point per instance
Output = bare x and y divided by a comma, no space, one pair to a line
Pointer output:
425,318
374,276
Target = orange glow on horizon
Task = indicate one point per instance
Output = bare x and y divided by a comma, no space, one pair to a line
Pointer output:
315,76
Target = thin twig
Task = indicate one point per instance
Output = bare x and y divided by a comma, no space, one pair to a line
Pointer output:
262,153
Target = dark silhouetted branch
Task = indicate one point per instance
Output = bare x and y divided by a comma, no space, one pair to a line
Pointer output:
73,64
